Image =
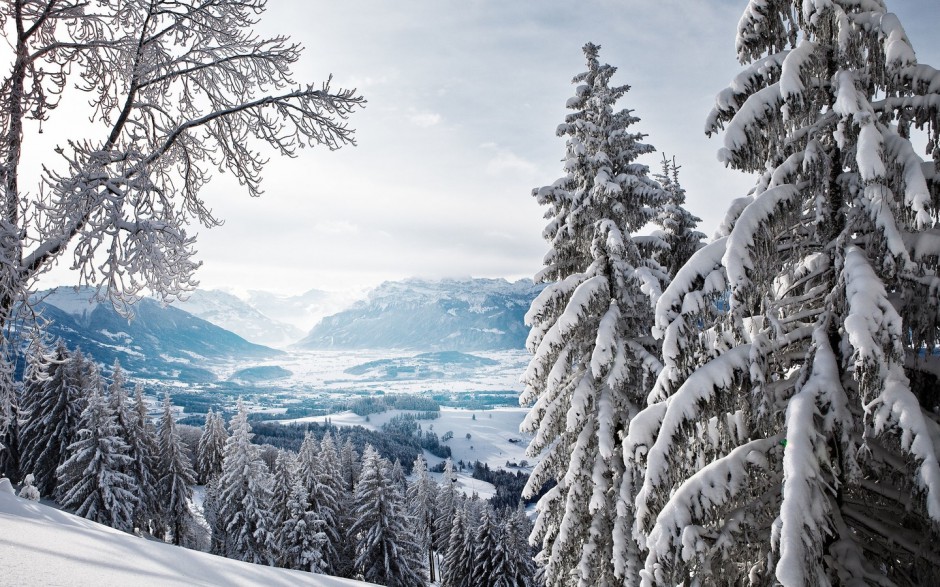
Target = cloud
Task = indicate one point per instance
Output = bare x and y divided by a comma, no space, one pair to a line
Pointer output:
425,119
505,162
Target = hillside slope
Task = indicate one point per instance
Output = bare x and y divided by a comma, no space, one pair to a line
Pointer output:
40,545
460,315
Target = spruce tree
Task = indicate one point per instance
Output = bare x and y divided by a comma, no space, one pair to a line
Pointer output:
144,453
301,534
677,224
387,554
488,563
321,495
92,482
457,567
789,440
176,478
594,360
209,451
422,502
446,508
243,496
55,405
283,478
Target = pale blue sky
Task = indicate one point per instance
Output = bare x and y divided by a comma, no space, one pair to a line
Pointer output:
464,98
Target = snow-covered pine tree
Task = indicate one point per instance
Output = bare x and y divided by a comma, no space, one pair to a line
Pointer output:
91,481
517,567
677,225
53,406
283,478
349,465
387,554
488,562
594,360
209,451
118,400
243,495
144,453
446,508
422,502
176,478
28,490
815,458
321,495
301,538
457,566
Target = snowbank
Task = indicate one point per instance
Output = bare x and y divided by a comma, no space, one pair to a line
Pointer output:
40,545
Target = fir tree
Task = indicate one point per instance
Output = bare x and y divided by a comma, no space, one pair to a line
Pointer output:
488,563
457,567
209,452
55,405
321,495
176,477
283,479
28,490
91,480
387,554
446,508
243,496
678,232
301,534
789,442
144,453
516,564
422,501
593,359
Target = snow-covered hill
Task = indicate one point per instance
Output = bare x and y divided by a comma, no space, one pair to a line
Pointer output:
302,311
236,315
160,341
40,545
463,315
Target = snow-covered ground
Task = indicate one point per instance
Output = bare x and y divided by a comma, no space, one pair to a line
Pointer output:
40,545
494,434
325,371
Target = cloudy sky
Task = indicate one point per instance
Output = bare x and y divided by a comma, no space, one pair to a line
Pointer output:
463,101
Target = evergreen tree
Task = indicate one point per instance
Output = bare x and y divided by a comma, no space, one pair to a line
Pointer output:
144,467
457,567
488,563
593,359
209,451
176,478
55,405
282,484
302,537
28,490
91,480
515,561
387,554
678,224
422,501
118,400
321,496
243,494
340,469
790,441
446,508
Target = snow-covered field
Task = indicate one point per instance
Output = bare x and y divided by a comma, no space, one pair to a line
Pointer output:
324,371
491,432
40,545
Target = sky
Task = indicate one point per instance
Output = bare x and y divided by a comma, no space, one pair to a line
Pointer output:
463,101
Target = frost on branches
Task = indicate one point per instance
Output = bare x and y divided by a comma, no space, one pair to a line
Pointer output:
593,359
176,91
793,440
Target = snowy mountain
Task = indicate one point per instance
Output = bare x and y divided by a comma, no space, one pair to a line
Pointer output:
161,342
302,311
463,315
40,545
236,315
